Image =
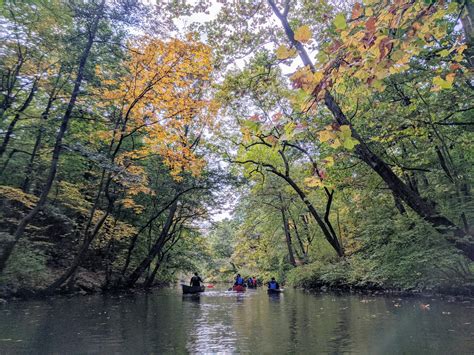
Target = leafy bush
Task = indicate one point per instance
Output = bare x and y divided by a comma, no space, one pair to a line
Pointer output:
26,267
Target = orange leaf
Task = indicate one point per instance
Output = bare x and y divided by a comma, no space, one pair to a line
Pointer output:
303,34
357,10
370,24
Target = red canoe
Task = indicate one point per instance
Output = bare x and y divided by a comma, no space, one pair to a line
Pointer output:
238,288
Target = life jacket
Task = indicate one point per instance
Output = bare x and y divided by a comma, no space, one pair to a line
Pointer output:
239,281
273,285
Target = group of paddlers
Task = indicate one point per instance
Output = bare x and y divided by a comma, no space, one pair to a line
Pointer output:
250,282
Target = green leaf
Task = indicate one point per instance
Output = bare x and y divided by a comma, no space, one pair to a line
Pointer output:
340,22
350,143
251,125
345,131
443,84
289,129
444,53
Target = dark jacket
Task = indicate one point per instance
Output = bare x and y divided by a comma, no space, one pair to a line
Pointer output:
196,281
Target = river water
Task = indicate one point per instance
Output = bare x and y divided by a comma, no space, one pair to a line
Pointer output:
217,321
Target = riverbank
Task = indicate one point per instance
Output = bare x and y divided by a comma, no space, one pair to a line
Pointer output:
456,295
344,277
317,288
50,245
7,295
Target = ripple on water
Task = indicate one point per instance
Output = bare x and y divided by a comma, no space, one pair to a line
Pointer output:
219,321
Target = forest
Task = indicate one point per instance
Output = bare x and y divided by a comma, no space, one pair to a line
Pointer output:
326,143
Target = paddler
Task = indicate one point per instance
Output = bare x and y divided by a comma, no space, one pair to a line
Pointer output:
273,285
239,280
195,280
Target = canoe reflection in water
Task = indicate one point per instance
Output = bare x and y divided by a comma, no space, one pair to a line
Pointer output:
192,289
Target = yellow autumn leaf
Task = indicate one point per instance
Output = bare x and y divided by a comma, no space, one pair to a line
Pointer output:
336,143
325,136
318,76
441,83
329,161
313,181
283,53
303,34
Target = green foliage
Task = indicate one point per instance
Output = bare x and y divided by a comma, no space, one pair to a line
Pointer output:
27,268
399,74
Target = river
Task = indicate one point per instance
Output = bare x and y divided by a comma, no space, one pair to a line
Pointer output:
164,321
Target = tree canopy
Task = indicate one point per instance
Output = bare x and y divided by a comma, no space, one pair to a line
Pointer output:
342,128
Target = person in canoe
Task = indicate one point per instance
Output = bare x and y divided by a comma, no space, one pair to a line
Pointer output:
255,282
273,285
195,280
250,282
239,281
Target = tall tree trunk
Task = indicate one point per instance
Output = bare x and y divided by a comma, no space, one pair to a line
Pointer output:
151,278
11,79
399,204
135,275
25,186
11,126
309,238
328,232
9,157
286,228
467,20
425,209
298,238
59,139
134,239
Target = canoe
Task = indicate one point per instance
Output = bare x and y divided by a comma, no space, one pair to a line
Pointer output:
238,288
272,291
192,289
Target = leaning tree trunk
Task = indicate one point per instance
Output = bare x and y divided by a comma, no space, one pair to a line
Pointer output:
59,140
11,126
329,234
298,238
137,273
25,186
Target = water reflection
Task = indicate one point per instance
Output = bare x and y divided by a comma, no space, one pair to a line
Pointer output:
220,321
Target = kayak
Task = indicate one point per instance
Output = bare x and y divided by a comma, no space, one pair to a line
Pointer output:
238,288
192,289
274,291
